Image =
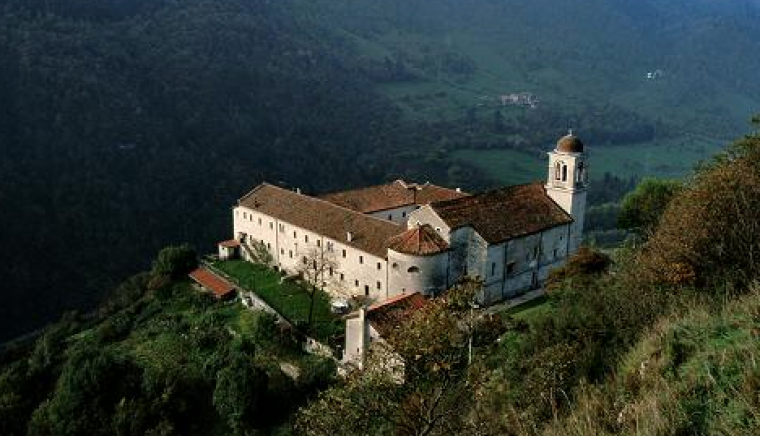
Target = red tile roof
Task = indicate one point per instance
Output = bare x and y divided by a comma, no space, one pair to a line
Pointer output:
231,243
386,315
390,196
368,233
220,287
505,213
420,241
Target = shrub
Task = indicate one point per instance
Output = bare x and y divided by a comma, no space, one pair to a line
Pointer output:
175,261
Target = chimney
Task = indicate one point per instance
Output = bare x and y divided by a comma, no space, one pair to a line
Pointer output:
459,190
349,236
298,190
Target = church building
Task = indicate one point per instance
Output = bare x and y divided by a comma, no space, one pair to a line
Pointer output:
401,238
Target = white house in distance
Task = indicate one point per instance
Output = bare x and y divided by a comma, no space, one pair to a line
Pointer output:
400,237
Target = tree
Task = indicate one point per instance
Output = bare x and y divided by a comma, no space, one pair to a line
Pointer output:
436,388
641,209
315,266
175,261
240,390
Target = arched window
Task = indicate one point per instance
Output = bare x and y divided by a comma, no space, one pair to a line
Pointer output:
557,171
413,270
580,175
564,173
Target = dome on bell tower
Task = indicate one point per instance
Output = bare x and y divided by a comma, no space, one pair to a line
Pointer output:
570,144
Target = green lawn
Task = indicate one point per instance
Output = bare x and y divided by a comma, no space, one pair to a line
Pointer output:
288,298
665,159
530,309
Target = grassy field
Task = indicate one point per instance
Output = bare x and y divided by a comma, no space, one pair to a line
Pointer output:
289,298
530,309
666,159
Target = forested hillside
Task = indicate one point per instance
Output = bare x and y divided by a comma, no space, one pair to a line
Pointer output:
128,125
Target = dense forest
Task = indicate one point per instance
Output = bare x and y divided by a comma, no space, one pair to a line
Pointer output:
129,125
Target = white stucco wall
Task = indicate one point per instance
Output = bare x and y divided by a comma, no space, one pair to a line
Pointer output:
357,273
430,276
398,215
426,215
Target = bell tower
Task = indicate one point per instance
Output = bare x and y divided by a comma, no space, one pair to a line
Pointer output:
568,182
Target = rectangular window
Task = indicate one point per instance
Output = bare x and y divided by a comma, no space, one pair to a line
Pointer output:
331,271
250,217
259,221
556,253
366,290
290,253
356,283
342,276
511,268
329,246
245,215
305,260
390,217
379,265
344,253
361,260
493,268
282,251
306,238
271,225
403,214
379,285
269,246
282,228
295,235
319,243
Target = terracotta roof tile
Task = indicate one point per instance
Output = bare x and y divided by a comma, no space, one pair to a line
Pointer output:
230,243
505,213
420,241
390,196
386,315
212,282
368,234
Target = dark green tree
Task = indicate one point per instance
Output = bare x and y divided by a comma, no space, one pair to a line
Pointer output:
240,390
641,209
175,261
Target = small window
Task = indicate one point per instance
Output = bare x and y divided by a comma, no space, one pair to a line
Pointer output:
366,290
557,171
305,260
556,253
438,229
282,251
290,253
379,286
271,225
331,271
306,238
295,234
329,246
564,173
269,246
403,214
493,268
413,270
361,260
342,276
282,228
356,283
390,217
319,243
245,215
394,266
379,265
344,253
511,268
260,221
